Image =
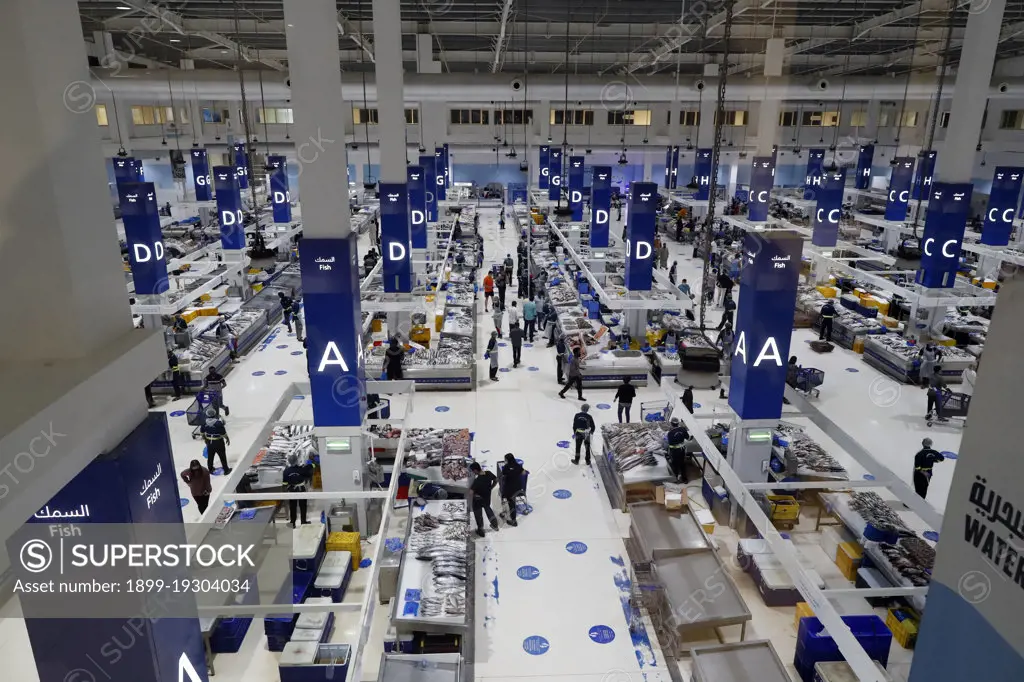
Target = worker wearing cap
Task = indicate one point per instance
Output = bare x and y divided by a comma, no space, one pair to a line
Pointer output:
215,435
677,437
924,460
583,427
828,315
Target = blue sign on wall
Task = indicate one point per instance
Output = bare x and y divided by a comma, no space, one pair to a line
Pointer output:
124,170
829,208
948,210
762,179
576,187
280,197
923,175
764,323
671,167
865,157
429,164
600,206
447,165
702,174
1002,205
643,204
815,167
543,161
143,236
242,165
417,207
330,298
554,173
201,175
396,240
440,179
899,189
229,207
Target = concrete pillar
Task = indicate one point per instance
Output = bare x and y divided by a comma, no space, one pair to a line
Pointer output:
955,161
870,130
195,112
387,47
708,104
543,114
768,113
425,62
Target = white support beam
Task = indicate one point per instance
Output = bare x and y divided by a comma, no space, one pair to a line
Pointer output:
499,44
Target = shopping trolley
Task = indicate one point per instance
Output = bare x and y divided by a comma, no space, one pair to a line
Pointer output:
523,507
655,411
808,380
949,405
196,412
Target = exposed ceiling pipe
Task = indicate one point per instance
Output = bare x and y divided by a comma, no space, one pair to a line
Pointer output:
499,45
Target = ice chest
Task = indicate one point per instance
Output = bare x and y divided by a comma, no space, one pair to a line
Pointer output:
312,662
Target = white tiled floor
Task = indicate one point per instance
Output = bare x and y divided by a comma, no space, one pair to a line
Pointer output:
522,414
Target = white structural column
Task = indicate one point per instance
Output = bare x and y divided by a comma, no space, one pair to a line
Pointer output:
387,45
955,161
319,128
708,104
71,364
768,111
870,130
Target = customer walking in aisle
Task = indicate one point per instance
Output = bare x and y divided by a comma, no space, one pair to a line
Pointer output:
530,318
509,267
482,487
492,354
573,374
663,256
513,314
296,480
501,282
728,310
214,385
286,309
684,287
497,315
970,378
198,479
936,389
583,428
688,399
924,462
393,357
488,291
724,283
624,396
677,437
299,317
177,379
673,272
222,332
523,281
511,485
828,315
515,336
930,356
215,435
725,339
561,353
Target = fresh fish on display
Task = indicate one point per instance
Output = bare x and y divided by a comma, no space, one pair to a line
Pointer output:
878,513
635,445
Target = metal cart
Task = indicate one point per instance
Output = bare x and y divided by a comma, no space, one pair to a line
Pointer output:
196,412
808,380
655,411
523,507
949,405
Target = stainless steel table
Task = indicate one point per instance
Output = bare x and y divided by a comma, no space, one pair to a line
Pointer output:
754,661
701,593
661,533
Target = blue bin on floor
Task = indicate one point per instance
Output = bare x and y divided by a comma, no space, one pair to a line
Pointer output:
814,647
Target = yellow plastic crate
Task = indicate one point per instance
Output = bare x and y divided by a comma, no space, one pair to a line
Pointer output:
904,625
209,311
945,342
257,288
803,610
827,292
341,541
206,297
858,346
190,314
848,558
783,508
420,334
890,322
377,325
988,284
438,322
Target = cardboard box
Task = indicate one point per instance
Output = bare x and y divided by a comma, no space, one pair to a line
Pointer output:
671,496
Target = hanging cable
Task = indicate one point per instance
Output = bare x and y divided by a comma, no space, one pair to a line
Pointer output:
245,117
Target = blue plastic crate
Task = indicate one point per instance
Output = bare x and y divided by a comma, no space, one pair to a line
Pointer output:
813,647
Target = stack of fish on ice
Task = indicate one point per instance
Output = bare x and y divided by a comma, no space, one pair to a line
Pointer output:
639,444
285,439
812,459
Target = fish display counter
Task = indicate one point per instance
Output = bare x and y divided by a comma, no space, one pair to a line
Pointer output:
634,461
439,456
893,356
247,328
665,362
194,363
607,368
285,438
449,366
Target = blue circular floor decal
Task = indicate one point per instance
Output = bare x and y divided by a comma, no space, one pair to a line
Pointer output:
283,345
178,413
298,397
365,563
219,471
562,443
576,547
868,477
291,333
533,369
528,572
535,645
442,408
258,373
949,454
562,494
601,634
296,352
504,369
852,370
183,501
528,345
930,535
280,372
696,406
604,406
502,345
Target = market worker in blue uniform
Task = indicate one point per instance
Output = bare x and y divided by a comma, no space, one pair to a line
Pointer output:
296,479
583,428
215,435
214,385
924,461
286,309
828,314
677,437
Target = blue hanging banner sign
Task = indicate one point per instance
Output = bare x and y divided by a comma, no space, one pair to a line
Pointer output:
668,168
429,164
944,225
829,208
229,207
643,205
702,174
899,189
124,170
201,175
241,165
923,176
140,171
543,160
1002,205
396,242
600,206
440,181
334,348
865,157
447,165
554,173
142,234
762,179
674,179
280,197
815,167
576,187
417,207
764,323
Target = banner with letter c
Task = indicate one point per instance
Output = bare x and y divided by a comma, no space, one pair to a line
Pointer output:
1002,206
948,210
829,208
762,179
899,189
